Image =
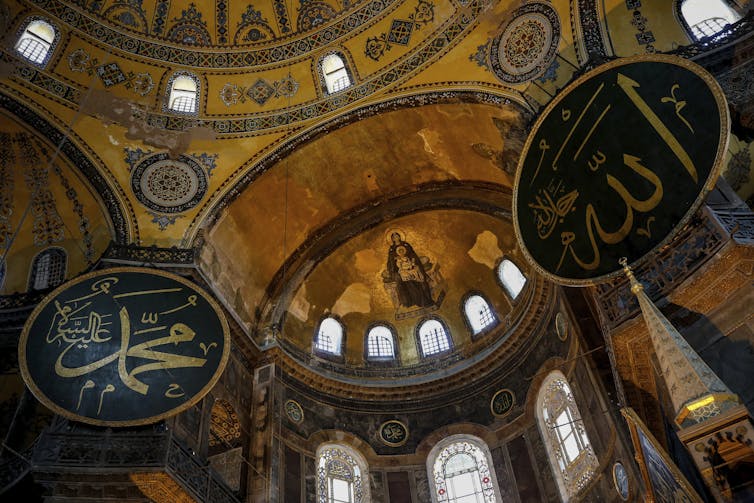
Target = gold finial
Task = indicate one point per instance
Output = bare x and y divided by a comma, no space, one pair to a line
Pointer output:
636,287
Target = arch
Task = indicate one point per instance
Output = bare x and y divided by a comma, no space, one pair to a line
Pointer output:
459,468
704,18
48,269
381,343
329,338
434,337
571,456
183,93
37,40
511,278
342,475
478,313
334,72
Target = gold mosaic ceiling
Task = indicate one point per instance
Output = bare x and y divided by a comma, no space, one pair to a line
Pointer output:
271,161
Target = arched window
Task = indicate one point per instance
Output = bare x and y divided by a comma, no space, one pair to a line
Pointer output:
459,468
48,269
2,272
335,73
511,277
433,338
329,337
36,41
478,313
380,344
342,475
707,17
184,93
571,455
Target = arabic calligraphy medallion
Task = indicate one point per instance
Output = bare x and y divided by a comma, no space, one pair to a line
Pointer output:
393,433
616,164
124,347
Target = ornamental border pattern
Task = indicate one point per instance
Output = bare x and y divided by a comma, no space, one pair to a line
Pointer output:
257,124
80,160
353,23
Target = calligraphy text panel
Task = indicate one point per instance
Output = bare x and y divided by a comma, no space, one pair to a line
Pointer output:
616,163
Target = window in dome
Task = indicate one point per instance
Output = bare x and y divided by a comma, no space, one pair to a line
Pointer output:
329,337
479,315
511,277
36,42
48,269
571,455
184,93
380,344
459,468
342,475
707,17
433,338
335,73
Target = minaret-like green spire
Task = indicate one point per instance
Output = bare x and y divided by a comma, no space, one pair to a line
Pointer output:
695,390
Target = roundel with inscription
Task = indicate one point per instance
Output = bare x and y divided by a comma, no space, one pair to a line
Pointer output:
124,347
616,164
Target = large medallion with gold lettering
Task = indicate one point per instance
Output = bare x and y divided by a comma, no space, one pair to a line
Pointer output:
123,347
616,163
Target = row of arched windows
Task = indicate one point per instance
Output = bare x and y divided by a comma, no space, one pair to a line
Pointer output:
702,17
460,468
39,36
433,335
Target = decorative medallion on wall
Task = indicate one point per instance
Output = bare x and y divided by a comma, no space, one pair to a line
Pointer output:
294,411
527,45
168,185
393,433
561,326
620,479
123,347
502,403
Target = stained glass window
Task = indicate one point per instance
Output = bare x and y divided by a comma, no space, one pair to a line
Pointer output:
48,269
35,42
571,455
433,338
707,17
511,277
184,94
336,75
341,473
380,343
329,337
460,471
478,313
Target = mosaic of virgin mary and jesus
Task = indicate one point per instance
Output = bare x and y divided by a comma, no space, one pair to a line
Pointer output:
413,282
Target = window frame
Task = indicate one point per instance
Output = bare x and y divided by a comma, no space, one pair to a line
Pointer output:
417,336
358,460
488,328
169,93
501,284
32,276
484,451
321,353
382,361
340,53
555,454
21,32
689,29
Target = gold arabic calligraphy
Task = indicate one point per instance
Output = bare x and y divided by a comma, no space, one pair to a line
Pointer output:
77,326
554,202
